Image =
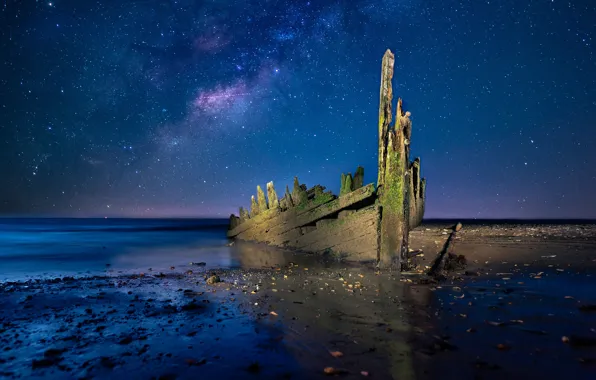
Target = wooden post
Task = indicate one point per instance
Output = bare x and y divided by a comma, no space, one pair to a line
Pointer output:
244,216
385,114
272,196
414,196
299,195
234,222
346,184
422,199
254,207
393,166
358,180
262,201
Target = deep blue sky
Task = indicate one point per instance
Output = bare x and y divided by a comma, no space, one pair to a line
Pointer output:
181,107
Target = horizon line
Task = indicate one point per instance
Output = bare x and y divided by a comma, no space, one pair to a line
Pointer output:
446,219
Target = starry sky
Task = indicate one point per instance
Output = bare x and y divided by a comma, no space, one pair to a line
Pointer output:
179,108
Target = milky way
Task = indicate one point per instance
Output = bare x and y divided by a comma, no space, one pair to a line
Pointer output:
180,108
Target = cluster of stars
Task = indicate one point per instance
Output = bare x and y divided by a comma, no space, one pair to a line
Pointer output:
153,106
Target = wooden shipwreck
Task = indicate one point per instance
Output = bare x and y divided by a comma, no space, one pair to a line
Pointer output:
363,223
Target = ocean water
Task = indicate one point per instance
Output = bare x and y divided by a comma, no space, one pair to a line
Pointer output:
34,248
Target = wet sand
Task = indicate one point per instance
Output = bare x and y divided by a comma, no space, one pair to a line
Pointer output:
287,315
523,307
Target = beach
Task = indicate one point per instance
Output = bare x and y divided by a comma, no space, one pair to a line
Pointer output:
521,307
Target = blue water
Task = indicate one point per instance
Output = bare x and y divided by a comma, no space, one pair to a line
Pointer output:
59,247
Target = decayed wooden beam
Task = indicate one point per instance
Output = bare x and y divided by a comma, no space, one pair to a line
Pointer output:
346,184
336,205
414,194
254,207
358,180
393,168
234,221
385,114
262,201
299,195
438,268
244,216
421,200
253,221
272,196
340,232
295,218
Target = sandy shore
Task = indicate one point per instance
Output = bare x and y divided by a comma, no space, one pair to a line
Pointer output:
522,308
292,316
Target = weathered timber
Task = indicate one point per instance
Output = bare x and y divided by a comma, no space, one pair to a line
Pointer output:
364,222
411,198
386,98
438,268
315,212
286,202
391,198
315,191
404,123
299,195
358,180
244,216
422,200
345,213
354,236
393,188
337,205
234,221
272,196
264,230
262,201
254,207
275,230
253,221
346,184
414,194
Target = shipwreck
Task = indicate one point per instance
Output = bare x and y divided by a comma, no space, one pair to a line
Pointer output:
366,222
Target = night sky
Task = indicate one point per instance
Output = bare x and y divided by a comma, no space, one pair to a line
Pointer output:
181,107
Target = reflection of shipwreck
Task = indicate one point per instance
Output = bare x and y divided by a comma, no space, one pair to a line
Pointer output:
364,223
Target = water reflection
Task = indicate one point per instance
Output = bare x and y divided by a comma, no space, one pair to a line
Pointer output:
513,328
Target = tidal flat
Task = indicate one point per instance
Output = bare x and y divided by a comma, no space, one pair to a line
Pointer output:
525,305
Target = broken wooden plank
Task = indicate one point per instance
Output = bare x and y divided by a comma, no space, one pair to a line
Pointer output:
260,218
272,195
336,231
354,237
264,229
326,209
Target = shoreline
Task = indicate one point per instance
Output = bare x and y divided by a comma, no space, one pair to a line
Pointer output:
290,317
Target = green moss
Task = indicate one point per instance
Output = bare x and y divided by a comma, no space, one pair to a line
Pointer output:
358,180
393,197
346,184
322,198
303,204
318,191
317,200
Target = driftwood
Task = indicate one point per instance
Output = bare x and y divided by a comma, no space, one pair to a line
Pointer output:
365,222
439,267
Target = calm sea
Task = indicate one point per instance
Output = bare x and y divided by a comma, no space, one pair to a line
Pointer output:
60,247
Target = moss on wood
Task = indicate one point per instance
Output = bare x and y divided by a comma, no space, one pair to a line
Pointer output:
358,180
254,207
346,185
